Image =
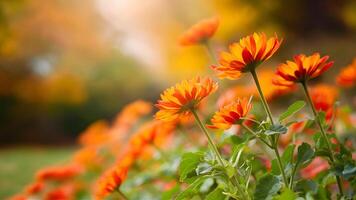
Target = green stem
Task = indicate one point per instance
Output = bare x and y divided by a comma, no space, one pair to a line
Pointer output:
122,195
323,133
210,140
255,134
264,101
280,165
274,140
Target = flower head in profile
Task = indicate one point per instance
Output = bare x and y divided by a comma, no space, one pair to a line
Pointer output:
59,173
231,114
183,97
110,181
302,69
246,55
347,76
199,32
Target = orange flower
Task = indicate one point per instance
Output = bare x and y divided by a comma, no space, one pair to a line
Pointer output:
302,69
232,94
35,188
95,134
110,181
88,157
347,76
199,32
59,173
231,114
270,90
324,97
63,192
314,168
180,99
131,113
246,55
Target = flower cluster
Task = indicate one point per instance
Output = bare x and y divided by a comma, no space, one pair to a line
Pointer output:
297,154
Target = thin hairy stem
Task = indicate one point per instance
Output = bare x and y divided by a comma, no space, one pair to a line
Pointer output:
210,140
273,139
323,133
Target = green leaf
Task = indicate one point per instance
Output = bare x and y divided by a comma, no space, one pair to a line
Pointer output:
287,156
267,187
287,194
291,110
349,171
189,163
192,189
216,194
276,129
307,186
305,154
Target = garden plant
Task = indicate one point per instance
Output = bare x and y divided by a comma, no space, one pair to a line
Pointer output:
286,136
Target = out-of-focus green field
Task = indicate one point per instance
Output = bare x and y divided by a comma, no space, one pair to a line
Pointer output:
18,165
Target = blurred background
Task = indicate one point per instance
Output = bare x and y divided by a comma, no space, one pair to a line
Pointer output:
65,64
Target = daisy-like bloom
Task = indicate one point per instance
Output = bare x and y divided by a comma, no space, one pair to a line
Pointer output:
324,97
302,69
200,32
231,114
246,55
59,173
347,76
183,97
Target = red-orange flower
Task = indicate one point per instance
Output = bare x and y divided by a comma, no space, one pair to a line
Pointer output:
347,76
324,97
231,114
35,188
314,168
110,181
246,55
180,99
63,192
59,173
199,32
302,69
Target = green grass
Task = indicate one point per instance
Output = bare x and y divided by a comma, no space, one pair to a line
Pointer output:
18,165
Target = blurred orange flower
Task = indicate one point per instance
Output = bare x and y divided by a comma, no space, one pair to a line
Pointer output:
88,157
35,188
180,99
199,32
270,90
231,114
314,168
232,94
246,55
131,113
63,192
59,173
324,97
110,181
95,134
302,69
347,76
